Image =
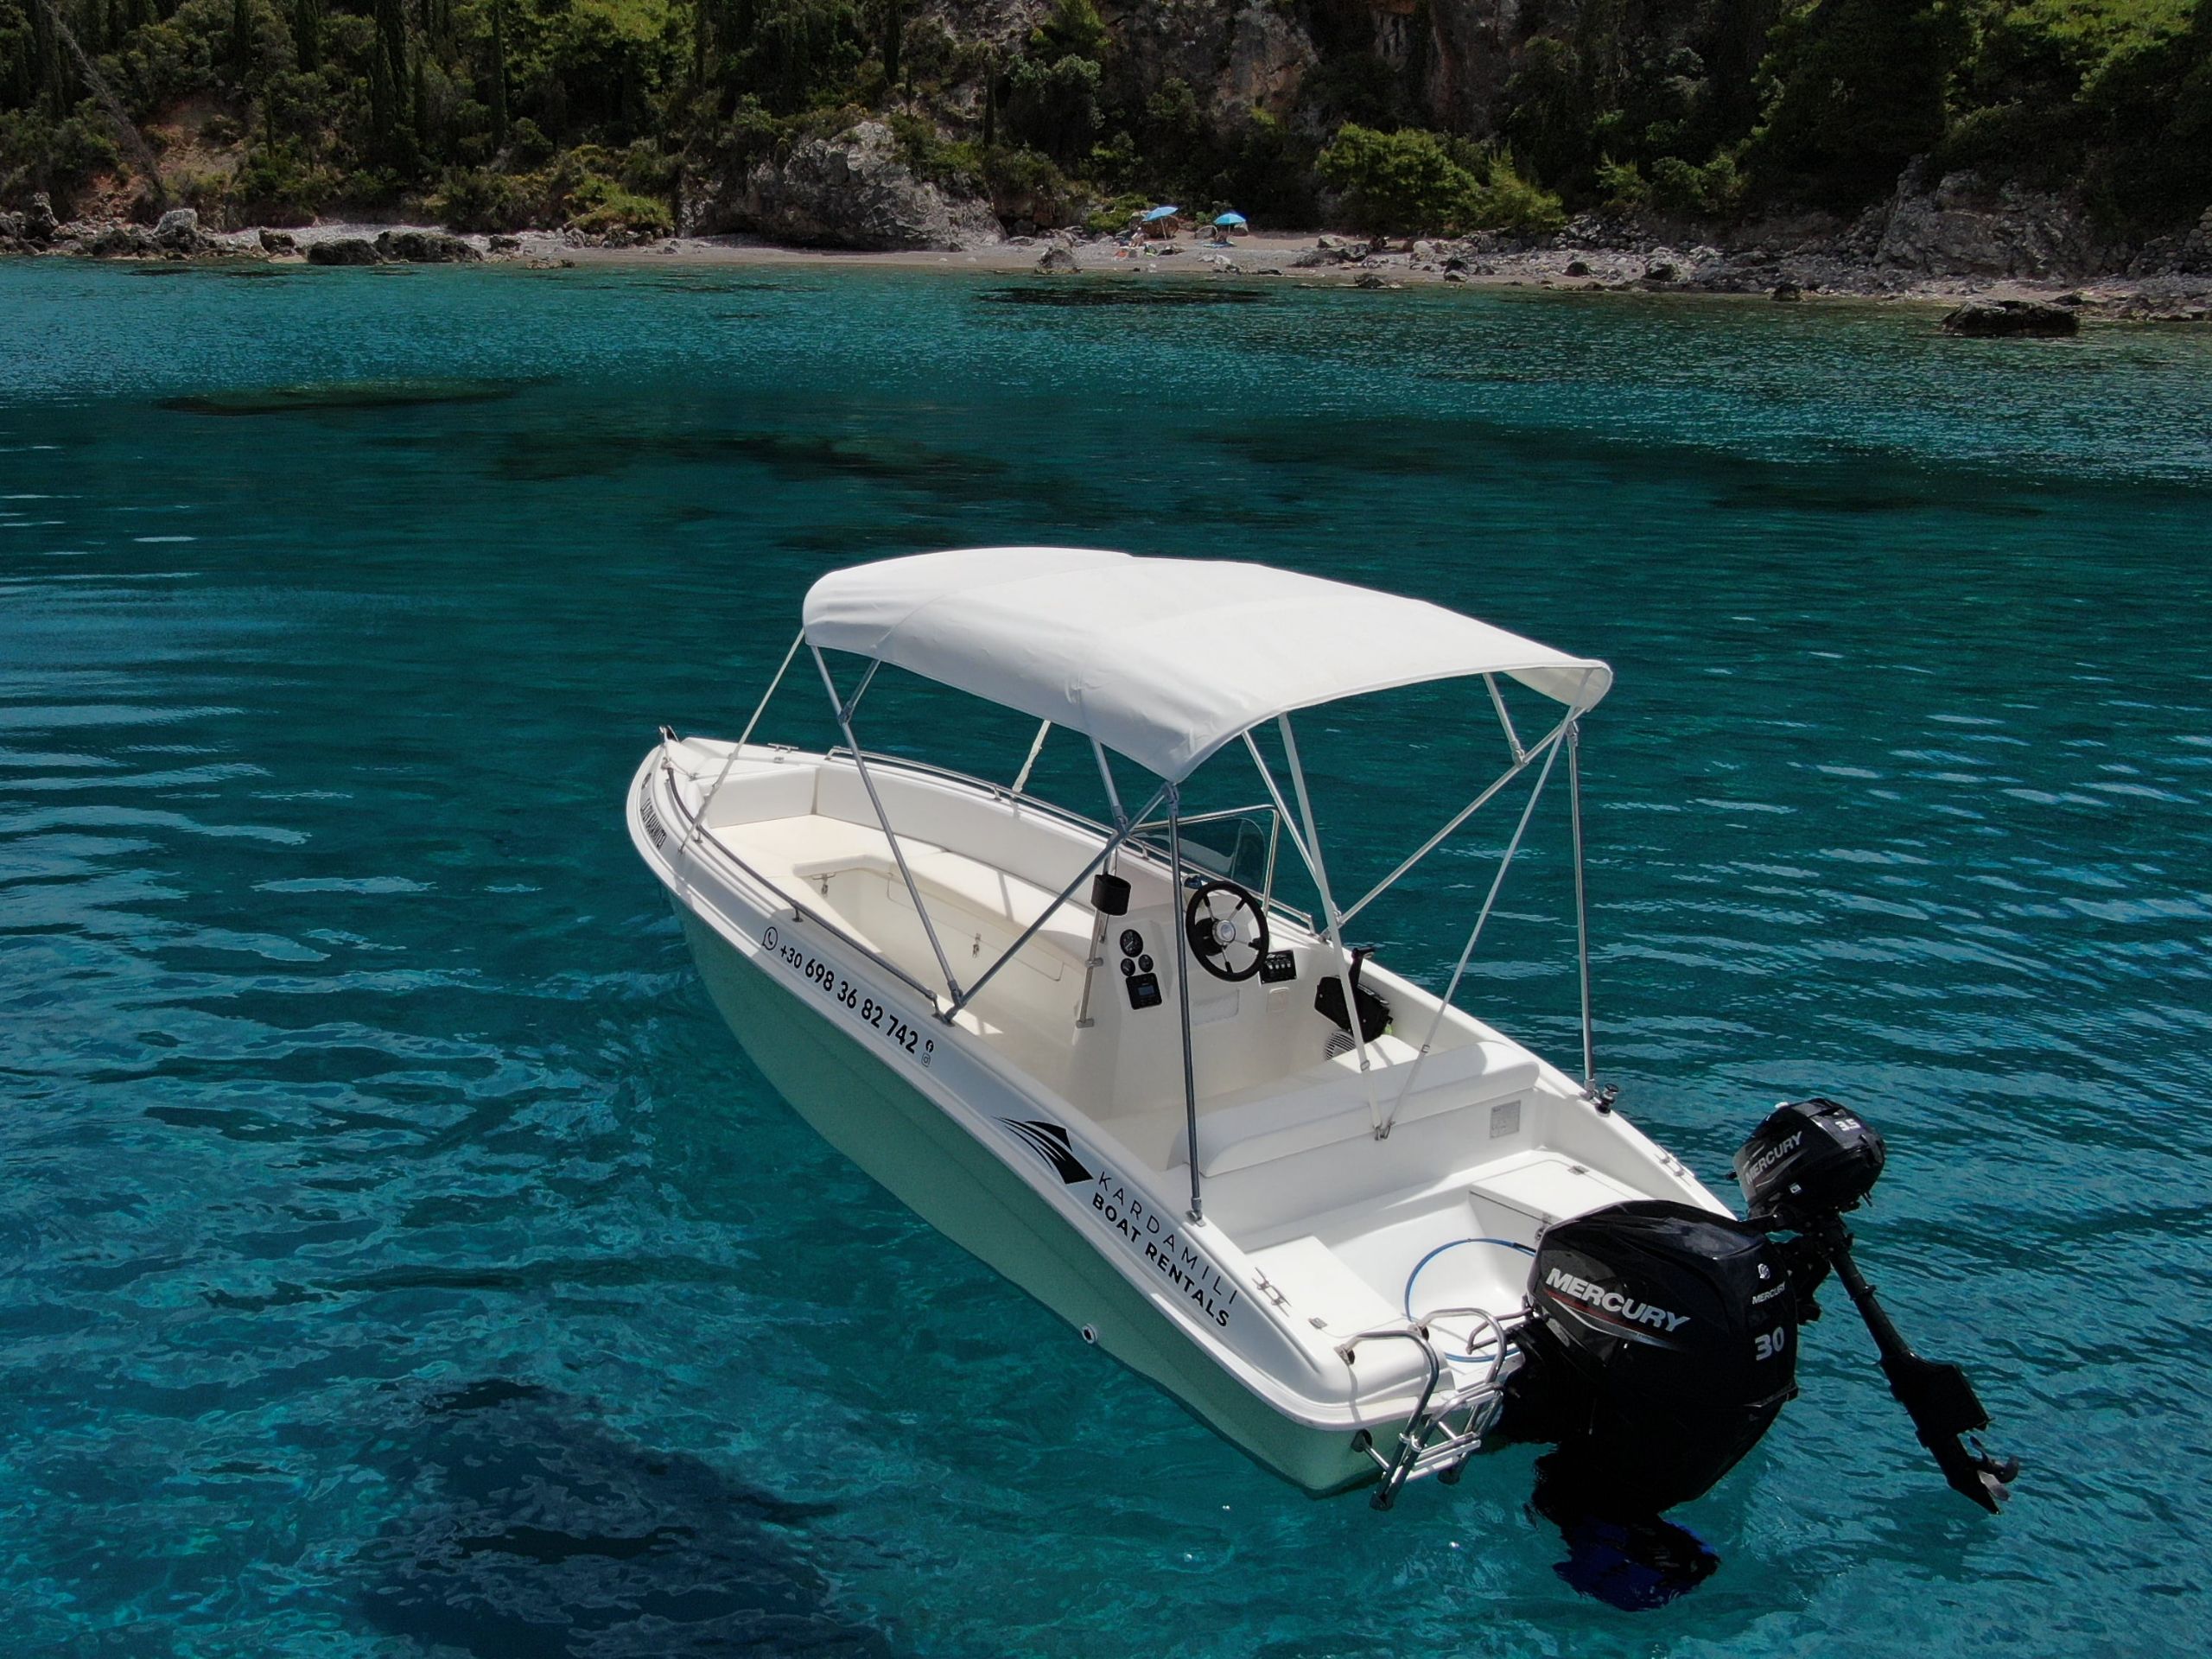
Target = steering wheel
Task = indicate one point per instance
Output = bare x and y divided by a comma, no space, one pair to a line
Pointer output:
1225,922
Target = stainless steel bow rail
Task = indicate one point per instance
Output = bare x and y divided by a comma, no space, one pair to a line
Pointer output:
1431,1443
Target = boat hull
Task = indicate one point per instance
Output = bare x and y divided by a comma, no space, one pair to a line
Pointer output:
930,1164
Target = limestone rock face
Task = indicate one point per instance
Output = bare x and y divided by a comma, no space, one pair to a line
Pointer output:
1268,56
120,241
1958,229
179,232
851,191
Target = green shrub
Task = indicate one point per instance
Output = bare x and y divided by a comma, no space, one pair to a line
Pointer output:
1112,218
1716,189
279,184
474,199
1025,185
606,206
929,155
1621,187
1399,183
1504,201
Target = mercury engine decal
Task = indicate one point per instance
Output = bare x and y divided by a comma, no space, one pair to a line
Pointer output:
1050,1142
1612,1307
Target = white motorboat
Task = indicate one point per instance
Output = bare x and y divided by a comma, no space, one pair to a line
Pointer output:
1349,1224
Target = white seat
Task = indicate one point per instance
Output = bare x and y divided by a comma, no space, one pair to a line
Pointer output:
1327,1103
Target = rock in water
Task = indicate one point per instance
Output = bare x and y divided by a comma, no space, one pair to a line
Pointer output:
1057,259
1787,290
426,248
344,250
852,190
2011,319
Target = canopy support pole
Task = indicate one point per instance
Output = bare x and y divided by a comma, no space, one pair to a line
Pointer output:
845,725
1282,812
1335,921
1121,820
1581,904
1543,745
1183,988
867,680
1036,748
1065,893
699,824
1497,881
1512,737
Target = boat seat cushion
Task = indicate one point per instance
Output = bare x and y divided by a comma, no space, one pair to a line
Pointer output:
755,790
1327,1103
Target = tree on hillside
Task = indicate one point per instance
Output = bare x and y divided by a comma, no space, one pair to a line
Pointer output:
1856,88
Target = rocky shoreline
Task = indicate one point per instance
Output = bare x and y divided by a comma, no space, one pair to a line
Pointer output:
2026,265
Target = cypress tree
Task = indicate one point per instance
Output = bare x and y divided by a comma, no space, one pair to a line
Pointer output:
241,40
307,34
498,75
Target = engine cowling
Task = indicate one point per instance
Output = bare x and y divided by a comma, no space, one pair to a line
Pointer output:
1662,1343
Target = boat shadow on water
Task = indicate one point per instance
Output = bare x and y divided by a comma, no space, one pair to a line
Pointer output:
535,1527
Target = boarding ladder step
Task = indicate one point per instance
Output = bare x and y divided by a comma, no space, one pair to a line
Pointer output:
1448,1423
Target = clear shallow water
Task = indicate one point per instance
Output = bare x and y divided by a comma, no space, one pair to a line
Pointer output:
397,1258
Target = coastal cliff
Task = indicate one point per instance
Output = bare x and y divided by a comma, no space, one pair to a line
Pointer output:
2057,139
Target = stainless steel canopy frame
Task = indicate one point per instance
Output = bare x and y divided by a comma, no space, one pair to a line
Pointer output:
1123,835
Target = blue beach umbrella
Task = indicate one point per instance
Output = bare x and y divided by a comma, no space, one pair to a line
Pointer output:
1161,213
1230,218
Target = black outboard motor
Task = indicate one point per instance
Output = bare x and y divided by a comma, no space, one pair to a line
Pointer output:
1661,1341
1660,1345
1810,1161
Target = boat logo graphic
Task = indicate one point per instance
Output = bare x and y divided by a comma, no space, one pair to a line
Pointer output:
1050,1142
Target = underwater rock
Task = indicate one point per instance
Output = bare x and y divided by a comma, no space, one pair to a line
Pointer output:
342,395
2012,320
1120,293
343,250
524,1521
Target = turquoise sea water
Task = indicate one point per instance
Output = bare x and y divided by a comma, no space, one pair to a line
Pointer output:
396,1256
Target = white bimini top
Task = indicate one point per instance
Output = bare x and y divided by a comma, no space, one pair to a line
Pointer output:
1162,660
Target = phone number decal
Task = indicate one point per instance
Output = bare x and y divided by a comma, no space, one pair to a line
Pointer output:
853,1001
